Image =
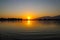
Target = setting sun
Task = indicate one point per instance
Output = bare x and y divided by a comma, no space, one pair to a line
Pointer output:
28,17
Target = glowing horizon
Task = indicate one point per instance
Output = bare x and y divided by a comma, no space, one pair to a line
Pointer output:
33,8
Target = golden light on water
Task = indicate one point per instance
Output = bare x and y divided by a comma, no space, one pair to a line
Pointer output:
28,22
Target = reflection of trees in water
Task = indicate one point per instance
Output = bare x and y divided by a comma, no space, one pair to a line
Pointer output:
11,21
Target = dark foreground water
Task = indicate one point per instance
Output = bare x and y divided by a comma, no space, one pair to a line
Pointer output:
29,30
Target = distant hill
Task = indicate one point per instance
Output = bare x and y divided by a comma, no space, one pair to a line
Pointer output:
49,18
56,17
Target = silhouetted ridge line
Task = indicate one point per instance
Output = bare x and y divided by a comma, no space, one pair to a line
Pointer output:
57,18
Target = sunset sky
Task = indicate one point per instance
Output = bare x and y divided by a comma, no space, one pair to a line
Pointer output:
31,8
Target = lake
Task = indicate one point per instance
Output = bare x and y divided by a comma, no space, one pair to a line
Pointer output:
29,30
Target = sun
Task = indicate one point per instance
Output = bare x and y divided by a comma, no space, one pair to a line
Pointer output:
28,17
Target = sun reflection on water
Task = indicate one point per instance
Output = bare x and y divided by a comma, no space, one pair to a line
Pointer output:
28,22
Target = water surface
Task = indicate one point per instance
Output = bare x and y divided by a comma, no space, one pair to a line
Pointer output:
32,28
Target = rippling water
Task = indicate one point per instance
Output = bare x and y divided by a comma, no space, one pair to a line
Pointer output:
17,29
